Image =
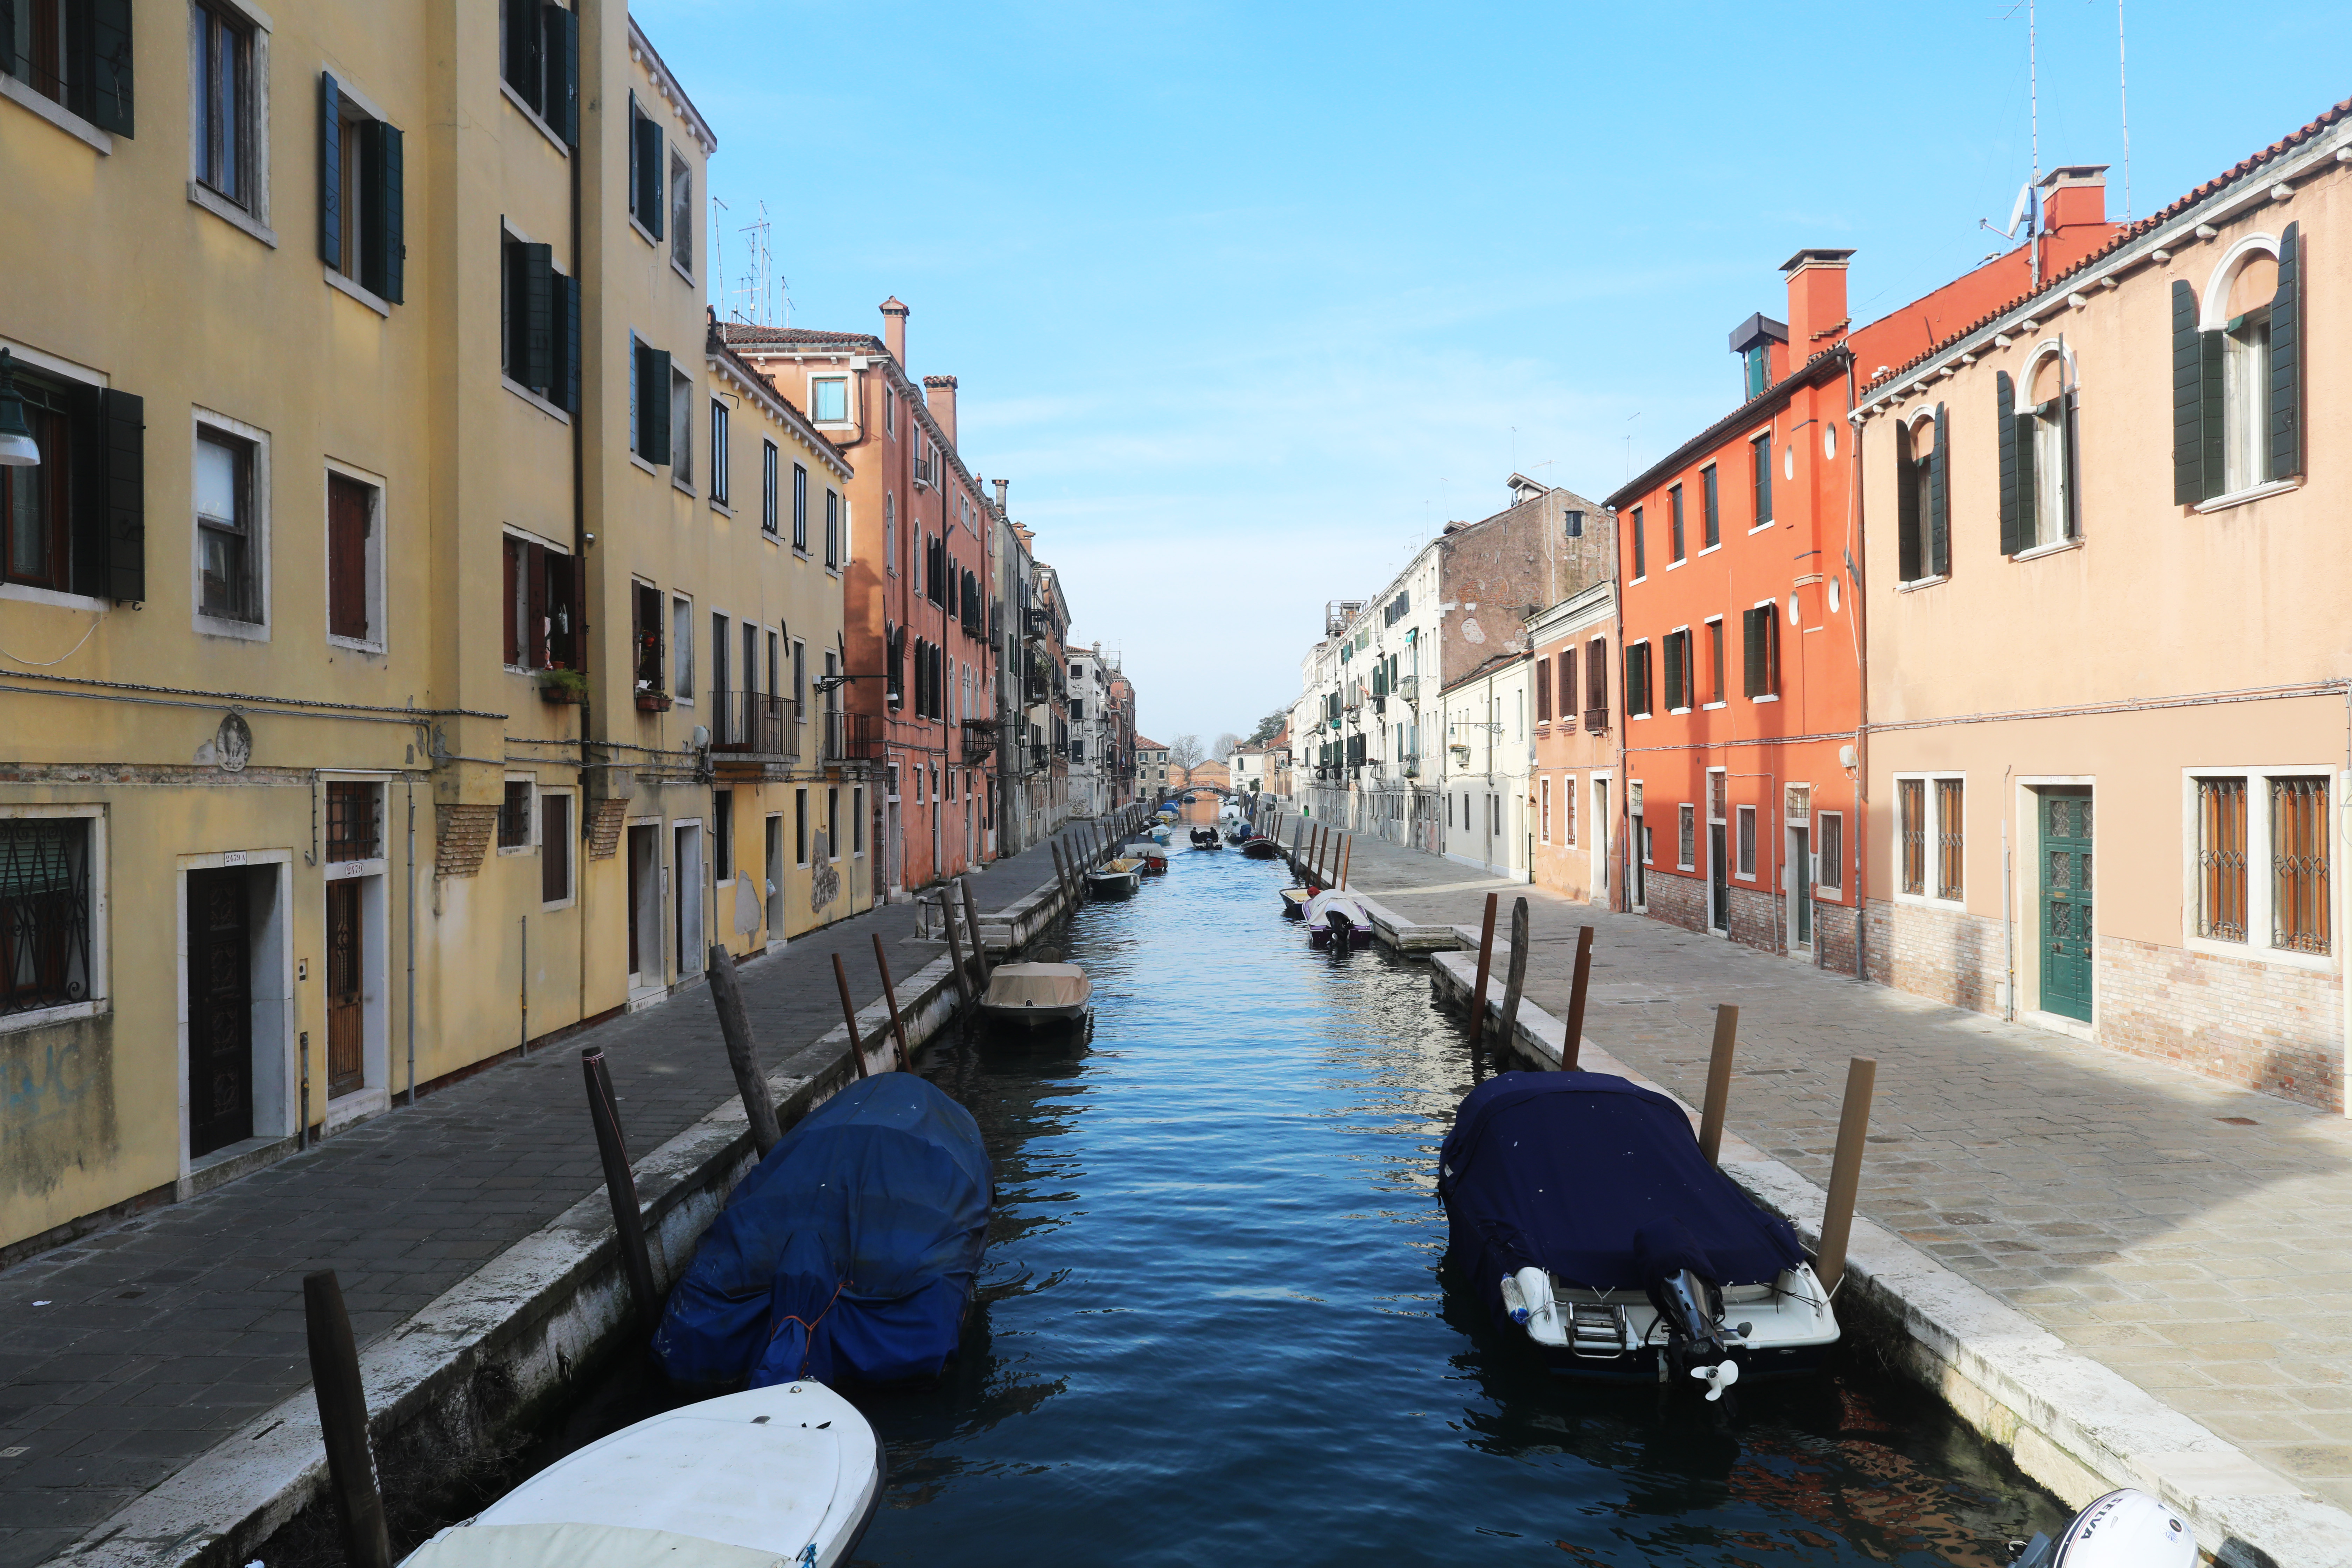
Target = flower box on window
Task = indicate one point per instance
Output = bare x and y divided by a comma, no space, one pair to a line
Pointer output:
652,702
566,688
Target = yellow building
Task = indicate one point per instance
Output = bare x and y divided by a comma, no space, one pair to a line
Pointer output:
373,411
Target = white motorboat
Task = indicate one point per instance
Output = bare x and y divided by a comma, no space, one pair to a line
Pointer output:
1337,918
2124,1528
1037,993
786,1475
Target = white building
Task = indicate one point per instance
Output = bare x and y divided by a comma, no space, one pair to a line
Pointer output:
1092,790
1487,763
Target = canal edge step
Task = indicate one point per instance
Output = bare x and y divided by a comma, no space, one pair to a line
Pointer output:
2070,1423
487,1355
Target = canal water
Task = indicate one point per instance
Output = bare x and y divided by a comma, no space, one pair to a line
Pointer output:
1213,1326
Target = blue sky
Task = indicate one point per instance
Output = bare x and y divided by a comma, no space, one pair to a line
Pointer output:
1247,299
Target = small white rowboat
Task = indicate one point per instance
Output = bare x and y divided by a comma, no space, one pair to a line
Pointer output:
1037,993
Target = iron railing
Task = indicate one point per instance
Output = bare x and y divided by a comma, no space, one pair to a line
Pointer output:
759,723
44,914
852,738
979,738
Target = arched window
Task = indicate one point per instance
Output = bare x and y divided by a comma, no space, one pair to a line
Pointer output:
2236,372
1921,468
2038,431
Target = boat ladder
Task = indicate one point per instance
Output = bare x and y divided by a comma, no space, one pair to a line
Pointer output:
1597,1331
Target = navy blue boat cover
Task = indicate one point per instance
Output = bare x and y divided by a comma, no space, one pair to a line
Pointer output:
849,1251
1564,1170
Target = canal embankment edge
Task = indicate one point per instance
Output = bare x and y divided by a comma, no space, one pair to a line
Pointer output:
2070,1422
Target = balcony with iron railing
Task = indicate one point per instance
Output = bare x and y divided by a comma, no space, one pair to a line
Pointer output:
1596,719
979,738
758,725
852,737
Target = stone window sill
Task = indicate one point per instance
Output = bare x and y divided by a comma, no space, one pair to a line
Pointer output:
228,212
367,297
2253,493
57,114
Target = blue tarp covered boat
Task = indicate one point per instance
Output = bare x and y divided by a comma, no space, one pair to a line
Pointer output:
849,1252
1581,1209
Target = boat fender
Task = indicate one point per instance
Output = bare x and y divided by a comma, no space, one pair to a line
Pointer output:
1717,1378
1535,1296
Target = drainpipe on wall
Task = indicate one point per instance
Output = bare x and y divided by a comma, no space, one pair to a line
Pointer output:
580,625
1859,578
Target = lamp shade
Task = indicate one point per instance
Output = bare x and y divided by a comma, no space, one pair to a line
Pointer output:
17,447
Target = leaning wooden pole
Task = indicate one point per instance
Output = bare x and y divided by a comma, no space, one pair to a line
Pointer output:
343,1421
1485,967
1506,1033
620,1186
1346,858
849,1015
972,925
1718,1102
743,1055
890,999
962,976
1845,1170
1572,1048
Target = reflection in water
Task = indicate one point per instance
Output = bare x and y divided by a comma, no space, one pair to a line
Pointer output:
1214,1324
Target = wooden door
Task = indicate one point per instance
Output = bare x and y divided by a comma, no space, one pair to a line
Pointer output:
220,1011
2066,902
1718,879
346,1035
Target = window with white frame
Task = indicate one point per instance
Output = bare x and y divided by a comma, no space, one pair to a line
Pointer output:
1543,794
2237,379
1829,828
829,399
718,450
227,93
800,509
2261,861
681,423
681,642
1568,808
681,214
52,913
831,527
1932,832
232,537
1747,819
518,815
1686,837
768,456
354,561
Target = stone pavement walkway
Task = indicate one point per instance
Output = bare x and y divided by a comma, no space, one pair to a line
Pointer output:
132,1350
2194,1236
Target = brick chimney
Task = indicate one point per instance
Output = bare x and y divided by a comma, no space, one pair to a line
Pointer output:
894,329
1001,486
2075,194
1816,301
939,396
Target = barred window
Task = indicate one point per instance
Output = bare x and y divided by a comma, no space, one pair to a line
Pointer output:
2299,864
1911,797
1831,826
354,821
514,816
45,917
2221,859
1949,842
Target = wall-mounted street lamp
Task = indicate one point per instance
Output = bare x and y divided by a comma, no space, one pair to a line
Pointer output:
17,447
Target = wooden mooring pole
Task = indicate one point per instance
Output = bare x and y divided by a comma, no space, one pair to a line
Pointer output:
1719,1083
1845,1170
1485,967
849,1015
955,958
1516,977
743,1055
1572,1048
620,1186
344,1422
971,923
890,998
1347,855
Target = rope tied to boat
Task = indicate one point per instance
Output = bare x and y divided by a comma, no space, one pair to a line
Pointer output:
808,1325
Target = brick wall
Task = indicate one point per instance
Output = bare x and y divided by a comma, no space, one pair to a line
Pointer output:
1676,899
1953,956
1833,928
605,819
462,833
1756,919
2265,1027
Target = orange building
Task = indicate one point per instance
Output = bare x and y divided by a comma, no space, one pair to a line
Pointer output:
1741,560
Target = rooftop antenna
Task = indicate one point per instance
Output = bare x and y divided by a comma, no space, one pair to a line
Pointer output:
2123,100
719,249
761,288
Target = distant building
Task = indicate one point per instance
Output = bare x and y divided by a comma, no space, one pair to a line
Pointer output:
1151,769
1483,803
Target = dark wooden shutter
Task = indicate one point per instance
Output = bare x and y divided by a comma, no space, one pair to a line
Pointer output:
538,321
1939,492
648,137
2029,489
511,552
1567,684
535,607
107,64
653,404
559,34
569,343
1771,617
564,610
522,50
2072,434
2187,399
9,65
386,263
122,496
2286,355
330,172
2004,397
2211,347
347,543
1907,531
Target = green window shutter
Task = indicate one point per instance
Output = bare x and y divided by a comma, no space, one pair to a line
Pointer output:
2187,399
569,342
2286,346
524,68
1752,632
1906,506
330,172
653,404
2004,397
390,211
2070,433
106,66
648,135
9,65
539,318
2211,347
560,42
1939,493
2029,487
109,502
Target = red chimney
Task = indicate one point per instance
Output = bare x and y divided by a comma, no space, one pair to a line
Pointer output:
894,329
1816,301
2074,195
939,396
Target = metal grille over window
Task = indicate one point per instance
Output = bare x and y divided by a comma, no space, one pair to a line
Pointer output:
2299,864
514,816
44,914
1949,843
351,822
2221,859
1911,798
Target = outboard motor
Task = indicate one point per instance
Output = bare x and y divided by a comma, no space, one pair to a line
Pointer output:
2124,1528
1343,930
1681,1284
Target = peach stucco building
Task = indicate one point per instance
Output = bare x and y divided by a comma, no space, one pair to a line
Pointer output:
2108,717
1572,798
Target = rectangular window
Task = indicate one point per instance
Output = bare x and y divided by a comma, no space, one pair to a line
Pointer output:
1596,683
1761,626
1543,792
829,399
1711,518
540,607
1921,521
681,643
857,821
1831,826
1674,525
351,559
800,509
833,823
361,199
1747,821
228,549
1911,803
800,680
35,499
1760,454
722,834
1640,547
222,109
646,152
1568,808
1543,699
2299,867
1637,680
354,821
831,527
800,826
45,917
720,681
2221,859
718,451
1678,672
554,847
1715,660
646,635
1686,837
541,315
1950,839
650,415
681,214
681,428
514,816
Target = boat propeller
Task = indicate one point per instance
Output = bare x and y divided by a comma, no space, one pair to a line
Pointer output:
1717,1378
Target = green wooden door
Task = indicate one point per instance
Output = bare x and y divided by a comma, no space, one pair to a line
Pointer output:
2066,902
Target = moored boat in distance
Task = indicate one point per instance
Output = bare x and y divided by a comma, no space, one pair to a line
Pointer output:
1258,847
1294,902
1115,879
1581,1208
1153,856
1037,991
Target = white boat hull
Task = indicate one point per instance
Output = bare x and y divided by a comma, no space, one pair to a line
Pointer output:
1617,1336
